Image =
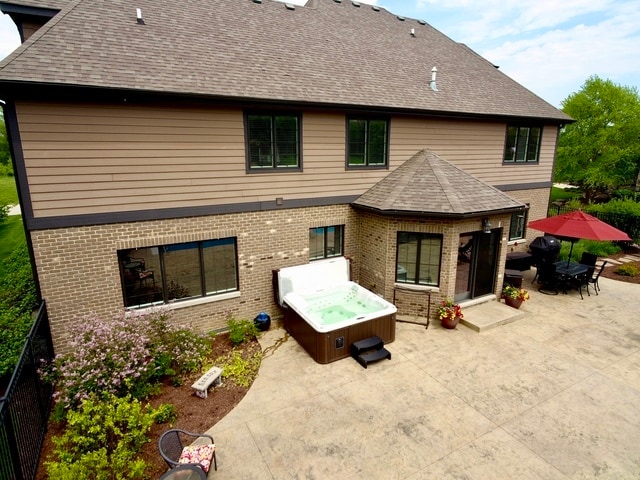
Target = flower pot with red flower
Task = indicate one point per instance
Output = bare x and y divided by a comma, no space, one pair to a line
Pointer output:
514,296
449,313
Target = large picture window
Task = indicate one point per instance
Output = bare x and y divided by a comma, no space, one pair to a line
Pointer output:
522,144
273,141
418,258
170,273
325,242
367,142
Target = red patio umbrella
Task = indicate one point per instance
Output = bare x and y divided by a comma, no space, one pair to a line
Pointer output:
576,225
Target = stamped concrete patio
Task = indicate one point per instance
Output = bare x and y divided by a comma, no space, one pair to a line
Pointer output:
554,394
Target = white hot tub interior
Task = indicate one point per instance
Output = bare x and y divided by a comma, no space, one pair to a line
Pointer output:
321,293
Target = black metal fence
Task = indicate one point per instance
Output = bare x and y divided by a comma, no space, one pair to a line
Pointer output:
630,224
24,409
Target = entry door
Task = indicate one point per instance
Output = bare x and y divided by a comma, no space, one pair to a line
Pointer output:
477,261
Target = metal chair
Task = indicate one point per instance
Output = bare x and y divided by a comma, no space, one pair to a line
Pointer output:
594,280
589,259
175,453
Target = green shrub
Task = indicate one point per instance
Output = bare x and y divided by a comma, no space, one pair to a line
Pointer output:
617,206
17,301
601,249
102,440
628,270
4,212
241,330
125,355
239,370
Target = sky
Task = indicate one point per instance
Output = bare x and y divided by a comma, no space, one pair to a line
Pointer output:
549,46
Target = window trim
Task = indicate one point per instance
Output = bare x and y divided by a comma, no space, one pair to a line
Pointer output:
526,161
324,247
366,165
247,141
202,297
416,282
525,214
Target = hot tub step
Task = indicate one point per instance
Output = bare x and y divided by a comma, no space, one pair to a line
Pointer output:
369,350
374,356
371,343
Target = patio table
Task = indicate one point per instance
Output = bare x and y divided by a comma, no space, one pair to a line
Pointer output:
570,273
184,472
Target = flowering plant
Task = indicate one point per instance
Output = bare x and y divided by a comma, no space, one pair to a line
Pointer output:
449,310
515,293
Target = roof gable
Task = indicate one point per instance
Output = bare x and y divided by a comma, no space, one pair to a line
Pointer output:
426,184
326,53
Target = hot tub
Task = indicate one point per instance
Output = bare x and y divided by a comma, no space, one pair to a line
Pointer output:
326,313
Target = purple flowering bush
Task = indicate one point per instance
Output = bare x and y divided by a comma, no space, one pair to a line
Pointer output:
125,355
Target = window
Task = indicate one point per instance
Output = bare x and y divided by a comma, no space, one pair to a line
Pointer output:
325,242
522,144
418,259
168,273
273,141
367,142
517,226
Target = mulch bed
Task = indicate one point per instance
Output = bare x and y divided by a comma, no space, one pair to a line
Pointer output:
194,414
609,270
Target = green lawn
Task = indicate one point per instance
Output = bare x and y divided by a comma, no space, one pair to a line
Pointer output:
562,194
8,192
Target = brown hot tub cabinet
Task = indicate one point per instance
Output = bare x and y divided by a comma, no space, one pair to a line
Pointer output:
296,288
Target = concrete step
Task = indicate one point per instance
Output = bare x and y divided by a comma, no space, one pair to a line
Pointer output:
488,315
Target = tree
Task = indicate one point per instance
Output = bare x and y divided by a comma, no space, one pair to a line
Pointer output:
600,152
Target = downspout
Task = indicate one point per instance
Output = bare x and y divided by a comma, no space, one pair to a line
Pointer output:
20,174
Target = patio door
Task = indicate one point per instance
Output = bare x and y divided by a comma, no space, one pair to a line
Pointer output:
477,261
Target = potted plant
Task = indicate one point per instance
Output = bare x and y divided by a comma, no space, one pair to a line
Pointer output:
514,296
449,313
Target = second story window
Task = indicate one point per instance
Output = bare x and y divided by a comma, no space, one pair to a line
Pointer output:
522,144
273,141
367,140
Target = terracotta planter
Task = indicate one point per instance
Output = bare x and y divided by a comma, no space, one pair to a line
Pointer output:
513,302
450,322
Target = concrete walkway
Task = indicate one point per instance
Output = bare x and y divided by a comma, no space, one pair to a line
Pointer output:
552,395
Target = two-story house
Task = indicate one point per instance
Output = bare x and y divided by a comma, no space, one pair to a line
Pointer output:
176,153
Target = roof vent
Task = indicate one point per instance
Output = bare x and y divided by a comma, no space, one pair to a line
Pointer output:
338,1
433,85
375,8
413,32
257,1
290,6
355,4
139,16
422,22
400,18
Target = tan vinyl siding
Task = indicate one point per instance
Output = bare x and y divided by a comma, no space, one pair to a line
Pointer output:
475,146
84,159
96,159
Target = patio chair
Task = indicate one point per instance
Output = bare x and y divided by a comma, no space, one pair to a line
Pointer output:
546,273
175,453
594,280
588,259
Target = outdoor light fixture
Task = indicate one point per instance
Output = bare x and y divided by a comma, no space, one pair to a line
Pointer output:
486,225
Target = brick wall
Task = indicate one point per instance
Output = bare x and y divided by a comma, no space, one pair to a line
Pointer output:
79,272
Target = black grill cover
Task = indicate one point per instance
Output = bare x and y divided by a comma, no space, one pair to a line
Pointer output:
545,249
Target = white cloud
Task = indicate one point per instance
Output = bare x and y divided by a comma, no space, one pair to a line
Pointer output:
561,60
9,37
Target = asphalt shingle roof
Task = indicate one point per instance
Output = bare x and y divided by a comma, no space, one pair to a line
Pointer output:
326,53
427,184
